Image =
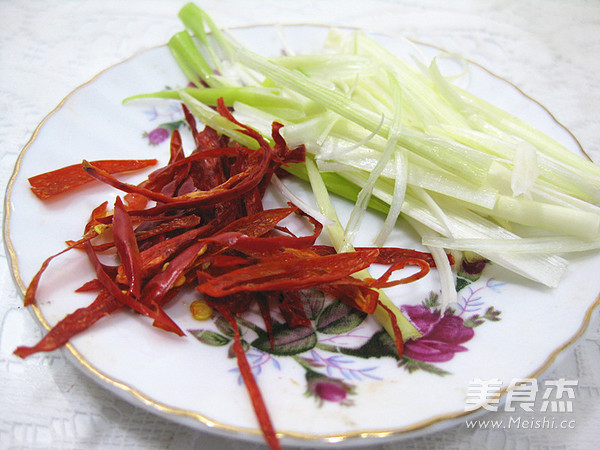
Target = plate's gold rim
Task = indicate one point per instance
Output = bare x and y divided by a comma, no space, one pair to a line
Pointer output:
166,410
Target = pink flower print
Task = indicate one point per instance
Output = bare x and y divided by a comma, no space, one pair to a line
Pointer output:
157,136
162,132
327,389
442,335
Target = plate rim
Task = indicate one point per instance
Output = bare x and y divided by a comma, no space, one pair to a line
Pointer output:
194,419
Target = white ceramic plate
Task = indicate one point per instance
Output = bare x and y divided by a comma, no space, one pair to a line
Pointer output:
352,399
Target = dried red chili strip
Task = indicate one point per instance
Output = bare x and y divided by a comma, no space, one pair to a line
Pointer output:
74,323
191,121
232,188
98,213
90,286
175,147
245,129
158,286
252,202
280,150
283,155
127,248
177,224
222,262
78,321
49,184
292,309
155,256
209,228
104,176
398,338
258,403
171,182
300,273
165,174
265,312
206,172
259,223
209,138
95,285
266,245
29,298
352,292
135,201
387,255
382,282
161,319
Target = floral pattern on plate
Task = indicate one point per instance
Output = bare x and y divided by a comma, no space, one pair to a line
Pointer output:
331,367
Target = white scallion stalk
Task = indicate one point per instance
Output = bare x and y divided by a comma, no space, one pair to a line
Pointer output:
310,130
328,66
513,125
336,234
400,162
287,49
431,179
449,154
214,120
459,166
533,245
398,194
550,217
525,170
435,209
545,269
364,195
422,88
317,215
256,118
442,263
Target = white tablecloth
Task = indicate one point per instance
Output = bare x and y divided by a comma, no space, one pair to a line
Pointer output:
550,49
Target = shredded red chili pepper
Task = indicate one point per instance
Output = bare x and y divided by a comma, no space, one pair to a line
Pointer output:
199,221
50,184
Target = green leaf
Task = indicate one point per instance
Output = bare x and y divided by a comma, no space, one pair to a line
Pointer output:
449,311
433,301
231,351
287,341
224,326
470,270
413,364
338,318
474,321
462,283
172,125
210,337
313,301
380,345
492,314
